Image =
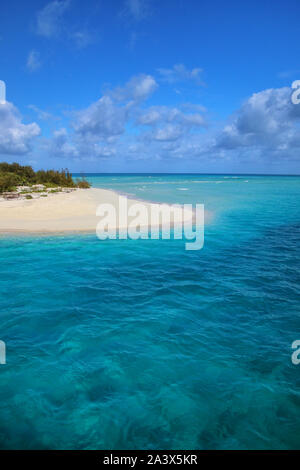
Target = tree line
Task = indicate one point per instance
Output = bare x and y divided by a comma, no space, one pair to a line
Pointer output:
13,175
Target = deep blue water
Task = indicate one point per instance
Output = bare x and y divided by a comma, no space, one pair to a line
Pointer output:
125,344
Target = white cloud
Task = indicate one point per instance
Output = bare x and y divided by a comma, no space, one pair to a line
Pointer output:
82,38
159,114
151,116
267,120
49,19
33,61
137,9
52,23
265,127
139,88
97,128
61,146
15,137
101,120
179,73
106,118
169,132
43,115
170,123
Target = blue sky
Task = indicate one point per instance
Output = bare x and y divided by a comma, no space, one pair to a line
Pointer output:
151,85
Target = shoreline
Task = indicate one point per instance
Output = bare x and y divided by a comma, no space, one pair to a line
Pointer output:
63,213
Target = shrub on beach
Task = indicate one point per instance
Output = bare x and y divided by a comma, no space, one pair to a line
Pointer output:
55,178
83,184
8,181
13,174
25,174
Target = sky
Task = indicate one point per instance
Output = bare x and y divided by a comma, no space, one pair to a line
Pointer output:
151,85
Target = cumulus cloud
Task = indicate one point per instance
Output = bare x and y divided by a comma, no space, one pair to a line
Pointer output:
264,129
96,129
15,137
268,121
101,120
266,126
158,114
170,123
106,118
138,89
179,73
61,146
33,61
169,132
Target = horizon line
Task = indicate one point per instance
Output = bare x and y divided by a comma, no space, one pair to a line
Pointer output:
180,173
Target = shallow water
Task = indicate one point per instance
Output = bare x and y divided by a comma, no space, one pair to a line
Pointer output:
127,344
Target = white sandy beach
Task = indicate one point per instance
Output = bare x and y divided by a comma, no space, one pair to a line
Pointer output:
62,212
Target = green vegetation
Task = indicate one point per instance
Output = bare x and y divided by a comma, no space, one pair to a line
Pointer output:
8,181
13,175
83,184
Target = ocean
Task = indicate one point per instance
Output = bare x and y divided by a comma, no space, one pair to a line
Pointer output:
140,344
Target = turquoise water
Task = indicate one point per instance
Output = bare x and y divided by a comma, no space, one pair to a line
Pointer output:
141,344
